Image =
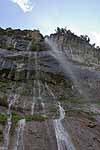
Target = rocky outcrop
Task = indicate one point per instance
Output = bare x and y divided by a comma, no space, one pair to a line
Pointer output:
77,48
19,40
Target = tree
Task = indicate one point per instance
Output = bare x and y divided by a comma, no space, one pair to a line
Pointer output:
58,30
93,45
85,38
98,48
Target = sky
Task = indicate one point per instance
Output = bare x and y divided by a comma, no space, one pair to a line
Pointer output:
80,16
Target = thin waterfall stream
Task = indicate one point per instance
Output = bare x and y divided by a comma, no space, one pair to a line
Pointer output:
34,86
11,101
20,134
63,139
19,144
38,83
33,103
50,91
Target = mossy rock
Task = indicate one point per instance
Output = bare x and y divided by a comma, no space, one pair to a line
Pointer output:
36,117
3,119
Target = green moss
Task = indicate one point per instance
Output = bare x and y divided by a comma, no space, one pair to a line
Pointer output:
16,117
3,119
36,117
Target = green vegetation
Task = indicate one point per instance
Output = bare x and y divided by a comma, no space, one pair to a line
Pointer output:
16,117
80,45
3,119
36,117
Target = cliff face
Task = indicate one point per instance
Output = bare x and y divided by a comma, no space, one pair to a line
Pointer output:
20,40
77,48
34,85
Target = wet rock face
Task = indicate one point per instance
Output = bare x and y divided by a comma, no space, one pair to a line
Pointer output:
32,82
30,77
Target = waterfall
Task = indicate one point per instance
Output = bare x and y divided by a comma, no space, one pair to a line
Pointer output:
29,62
63,139
39,83
43,108
34,88
67,67
20,135
36,64
11,101
40,97
6,133
3,64
33,103
50,91
32,108
29,45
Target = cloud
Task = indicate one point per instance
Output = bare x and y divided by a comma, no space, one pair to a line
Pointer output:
25,5
96,37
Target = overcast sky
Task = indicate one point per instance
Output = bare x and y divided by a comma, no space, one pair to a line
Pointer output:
80,16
